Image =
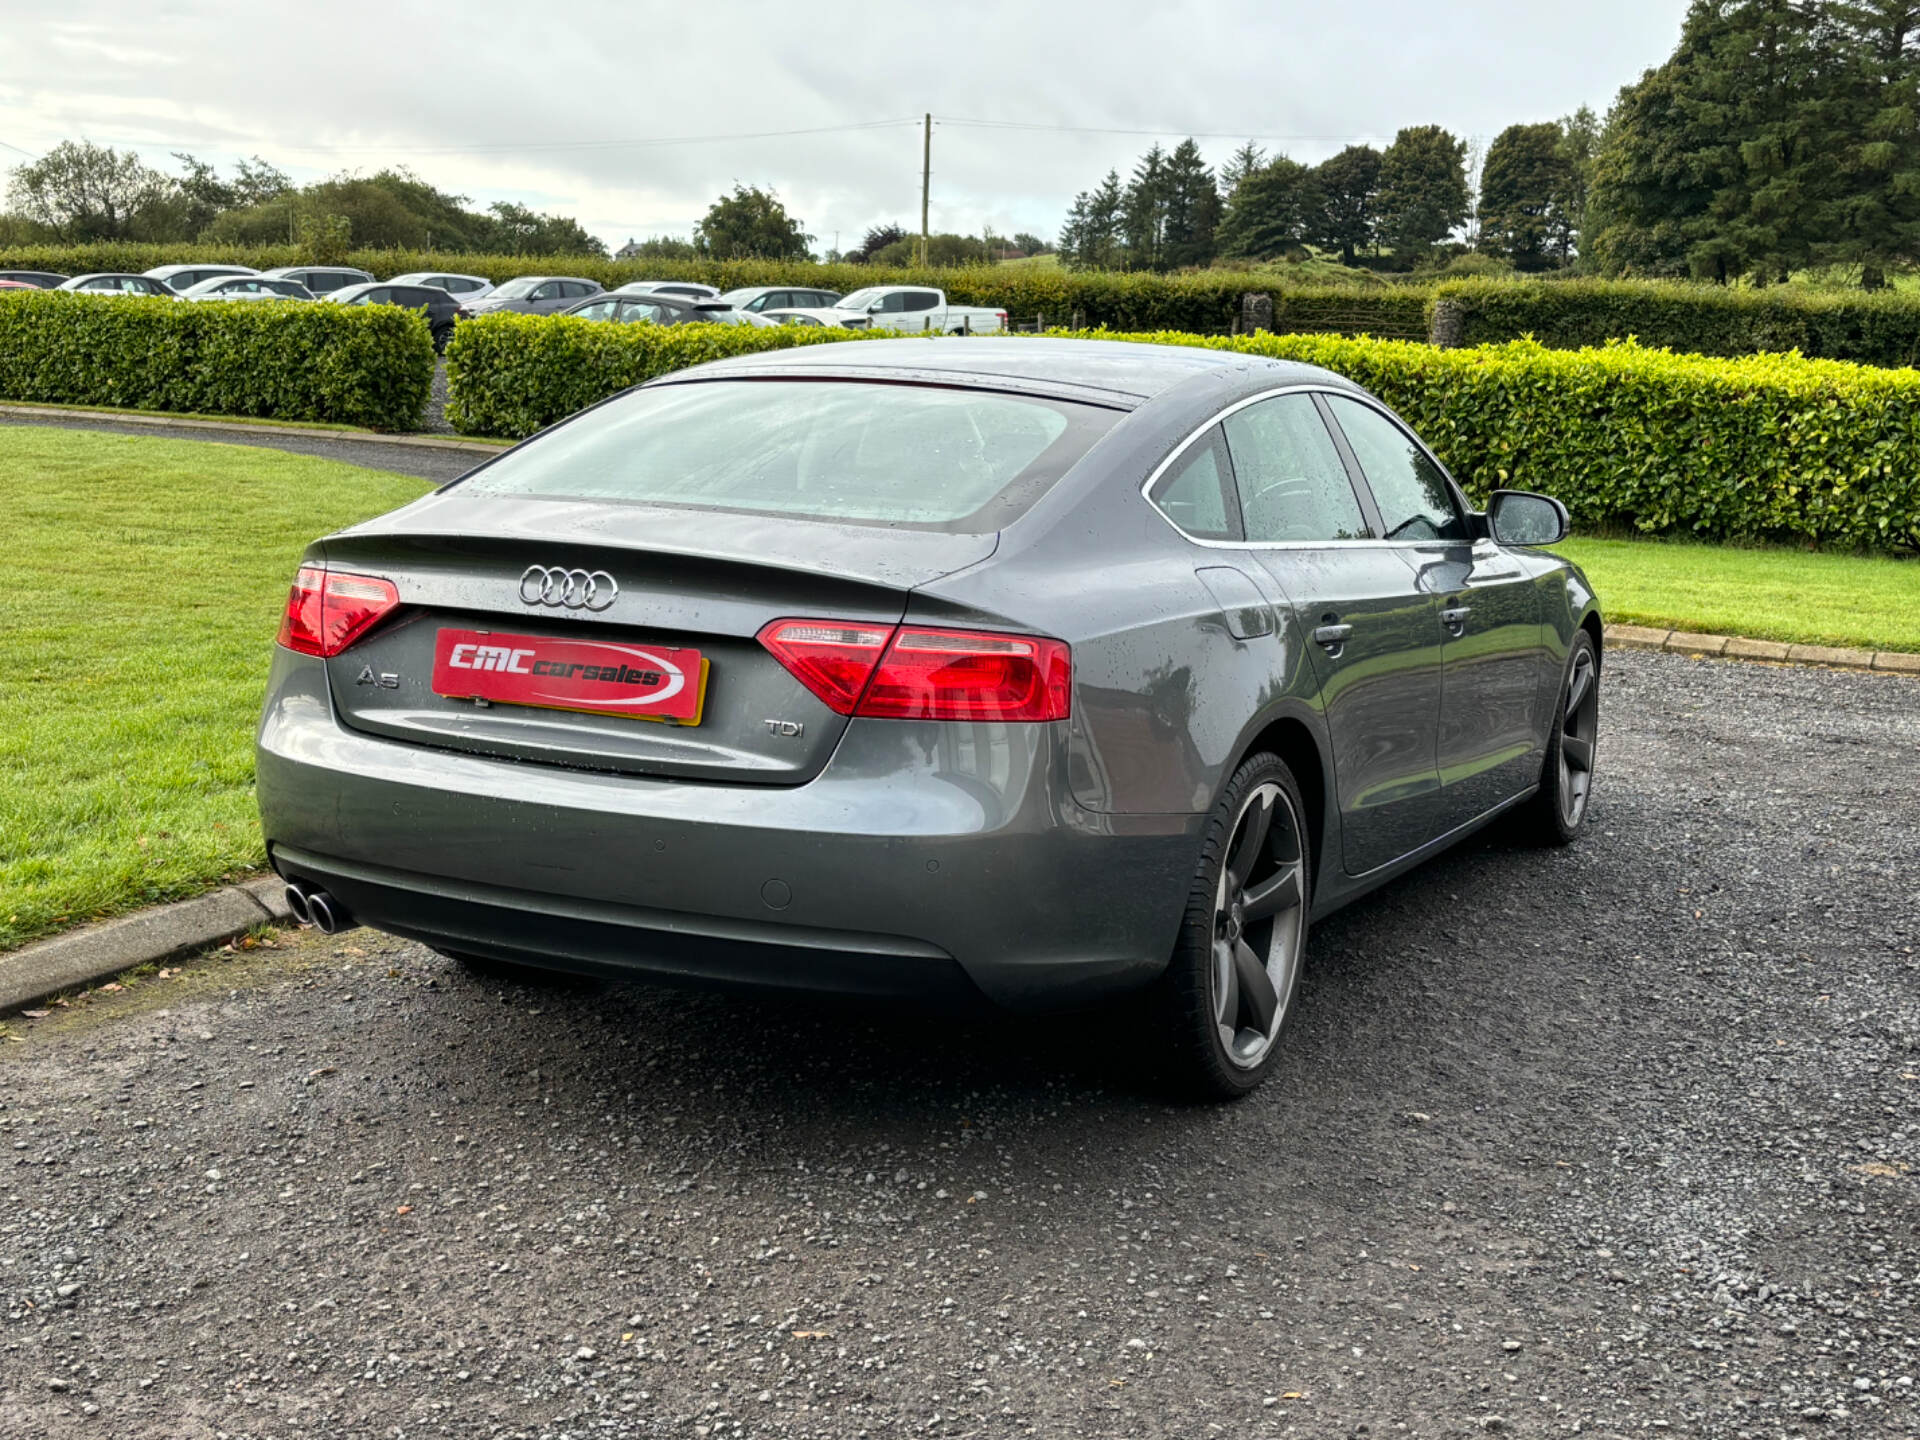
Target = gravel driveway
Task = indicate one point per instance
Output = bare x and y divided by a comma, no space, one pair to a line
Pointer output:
1609,1141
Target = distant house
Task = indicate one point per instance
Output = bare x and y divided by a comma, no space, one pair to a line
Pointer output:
628,251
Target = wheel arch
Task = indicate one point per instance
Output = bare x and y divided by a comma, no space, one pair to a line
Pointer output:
1300,746
1590,622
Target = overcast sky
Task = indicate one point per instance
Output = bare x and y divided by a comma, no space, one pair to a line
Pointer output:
566,107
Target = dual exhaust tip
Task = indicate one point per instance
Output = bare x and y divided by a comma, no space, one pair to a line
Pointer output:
315,909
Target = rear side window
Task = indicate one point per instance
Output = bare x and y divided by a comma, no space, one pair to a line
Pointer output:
921,456
1293,484
920,300
1195,492
1411,490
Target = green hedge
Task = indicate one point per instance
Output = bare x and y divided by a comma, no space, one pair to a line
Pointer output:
1871,329
293,360
1768,447
510,375
1202,301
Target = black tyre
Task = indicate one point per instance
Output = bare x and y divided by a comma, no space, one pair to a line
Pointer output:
1228,993
1555,813
441,337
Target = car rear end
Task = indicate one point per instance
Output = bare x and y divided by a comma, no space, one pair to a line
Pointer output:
660,693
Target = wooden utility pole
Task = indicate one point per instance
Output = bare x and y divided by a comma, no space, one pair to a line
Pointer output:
926,180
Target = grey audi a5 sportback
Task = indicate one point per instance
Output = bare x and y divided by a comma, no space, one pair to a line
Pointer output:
1032,669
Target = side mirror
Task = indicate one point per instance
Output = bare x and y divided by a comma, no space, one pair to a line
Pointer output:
1520,517
876,307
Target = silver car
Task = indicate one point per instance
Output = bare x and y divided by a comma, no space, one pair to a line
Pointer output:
321,279
757,299
685,289
1017,670
182,278
119,284
461,287
247,287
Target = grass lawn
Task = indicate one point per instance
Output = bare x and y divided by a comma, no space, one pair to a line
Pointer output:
139,595
1766,594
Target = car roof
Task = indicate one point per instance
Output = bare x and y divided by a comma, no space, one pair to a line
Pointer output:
214,280
112,275
1119,371
157,271
282,271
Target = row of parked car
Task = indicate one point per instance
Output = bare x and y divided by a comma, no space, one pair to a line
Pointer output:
447,298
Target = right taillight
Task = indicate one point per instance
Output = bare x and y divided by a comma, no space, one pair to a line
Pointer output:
327,610
916,672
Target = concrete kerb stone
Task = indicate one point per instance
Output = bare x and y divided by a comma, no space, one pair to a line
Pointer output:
164,932
1738,647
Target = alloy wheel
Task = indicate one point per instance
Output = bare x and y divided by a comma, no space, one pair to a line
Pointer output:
1258,924
1579,730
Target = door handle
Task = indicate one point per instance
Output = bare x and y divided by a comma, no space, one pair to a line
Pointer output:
1332,636
1455,617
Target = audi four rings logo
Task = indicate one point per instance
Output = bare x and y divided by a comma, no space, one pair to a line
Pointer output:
567,589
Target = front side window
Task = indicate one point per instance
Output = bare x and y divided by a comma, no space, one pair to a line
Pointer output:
1293,485
903,455
1196,494
548,291
638,311
600,310
1415,501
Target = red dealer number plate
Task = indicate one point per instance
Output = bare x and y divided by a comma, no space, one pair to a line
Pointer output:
601,677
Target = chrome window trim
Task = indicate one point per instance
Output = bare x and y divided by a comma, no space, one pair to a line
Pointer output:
1308,388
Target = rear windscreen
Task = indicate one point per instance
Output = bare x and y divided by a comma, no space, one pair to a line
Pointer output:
857,451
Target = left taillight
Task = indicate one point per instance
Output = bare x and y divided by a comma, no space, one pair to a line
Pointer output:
327,610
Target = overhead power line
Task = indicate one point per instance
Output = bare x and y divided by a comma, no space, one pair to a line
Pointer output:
512,146
1163,130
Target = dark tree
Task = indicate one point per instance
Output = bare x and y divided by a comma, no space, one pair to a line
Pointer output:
1091,238
1526,173
1143,213
1873,111
751,224
1245,161
1725,161
84,192
1423,190
874,241
1350,199
1579,139
1273,211
1192,210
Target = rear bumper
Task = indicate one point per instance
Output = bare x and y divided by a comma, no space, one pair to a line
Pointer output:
926,859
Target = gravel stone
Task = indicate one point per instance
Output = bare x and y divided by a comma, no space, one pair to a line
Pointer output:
1673,1075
